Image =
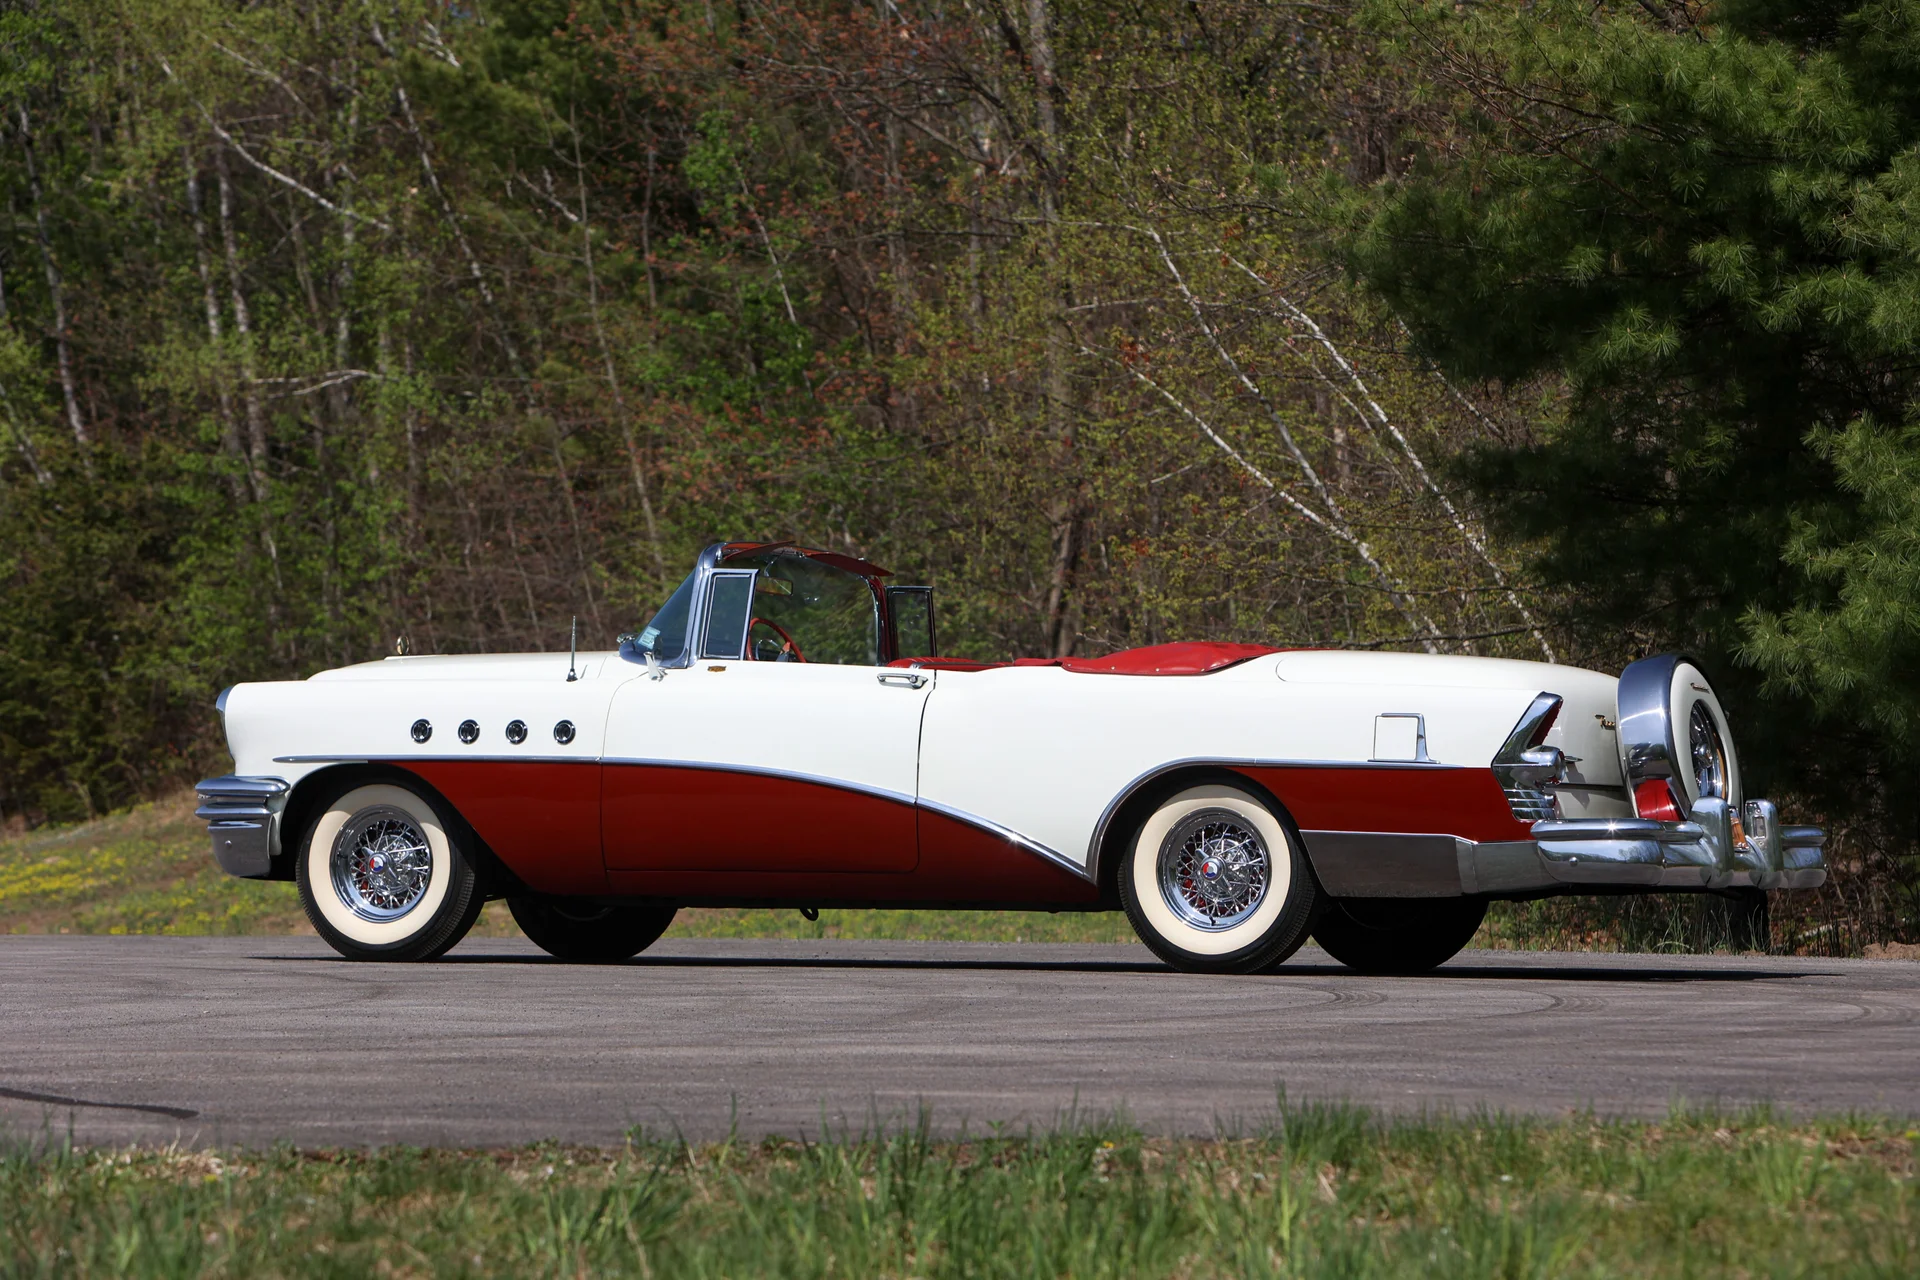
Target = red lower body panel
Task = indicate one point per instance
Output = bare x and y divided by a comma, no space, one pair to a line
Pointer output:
960,866
716,835
708,821
542,818
1417,801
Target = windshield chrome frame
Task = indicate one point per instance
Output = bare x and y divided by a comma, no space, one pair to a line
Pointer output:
703,572
696,616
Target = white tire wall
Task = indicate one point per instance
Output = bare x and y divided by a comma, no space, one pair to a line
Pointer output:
319,858
445,910
1276,924
1689,688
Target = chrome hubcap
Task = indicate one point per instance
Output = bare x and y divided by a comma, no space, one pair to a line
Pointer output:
1214,869
381,864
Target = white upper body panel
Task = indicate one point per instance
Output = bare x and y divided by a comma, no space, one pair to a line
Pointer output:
1584,730
812,720
478,667
1039,751
289,728
1044,751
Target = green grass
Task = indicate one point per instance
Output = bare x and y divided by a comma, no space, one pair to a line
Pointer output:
1323,1191
146,870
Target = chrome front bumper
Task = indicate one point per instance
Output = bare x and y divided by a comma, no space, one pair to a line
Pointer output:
1707,852
240,815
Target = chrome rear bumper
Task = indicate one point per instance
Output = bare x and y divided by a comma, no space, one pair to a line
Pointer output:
1709,851
240,817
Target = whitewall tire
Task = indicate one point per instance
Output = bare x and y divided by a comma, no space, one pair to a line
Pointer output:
1704,742
1216,882
382,877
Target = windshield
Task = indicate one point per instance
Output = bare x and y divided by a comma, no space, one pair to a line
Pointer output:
806,611
665,636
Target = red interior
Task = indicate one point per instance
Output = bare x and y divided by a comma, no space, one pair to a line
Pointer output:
1185,658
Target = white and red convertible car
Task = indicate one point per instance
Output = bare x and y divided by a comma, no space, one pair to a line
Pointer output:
780,735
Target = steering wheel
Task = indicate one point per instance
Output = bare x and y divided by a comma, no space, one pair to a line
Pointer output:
789,647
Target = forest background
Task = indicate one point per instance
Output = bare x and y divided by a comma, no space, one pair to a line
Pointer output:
1570,332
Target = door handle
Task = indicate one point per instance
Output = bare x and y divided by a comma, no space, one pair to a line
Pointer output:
911,679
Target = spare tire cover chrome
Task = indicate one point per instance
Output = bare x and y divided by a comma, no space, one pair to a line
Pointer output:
1664,702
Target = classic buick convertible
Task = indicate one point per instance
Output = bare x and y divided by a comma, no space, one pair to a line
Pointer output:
782,735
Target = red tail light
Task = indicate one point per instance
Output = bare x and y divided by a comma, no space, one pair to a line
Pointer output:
1654,798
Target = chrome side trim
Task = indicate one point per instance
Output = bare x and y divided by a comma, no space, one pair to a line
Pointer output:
1387,864
424,758
1506,867
1008,834
239,813
1100,829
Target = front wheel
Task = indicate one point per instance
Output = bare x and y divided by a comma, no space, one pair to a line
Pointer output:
1216,882
584,932
383,877
1397,935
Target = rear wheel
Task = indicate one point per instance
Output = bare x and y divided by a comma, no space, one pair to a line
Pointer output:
582,931
382,876
1397,935
1215,882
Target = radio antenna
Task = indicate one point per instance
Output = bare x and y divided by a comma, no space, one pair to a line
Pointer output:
573,647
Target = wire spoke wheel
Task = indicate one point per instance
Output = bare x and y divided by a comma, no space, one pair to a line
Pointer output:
385,873
381,864
1214,869
1708,752
1215,881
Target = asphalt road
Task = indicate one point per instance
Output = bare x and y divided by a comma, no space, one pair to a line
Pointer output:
251,1040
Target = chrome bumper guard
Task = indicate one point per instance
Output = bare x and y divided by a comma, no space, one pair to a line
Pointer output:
1710,851
239,813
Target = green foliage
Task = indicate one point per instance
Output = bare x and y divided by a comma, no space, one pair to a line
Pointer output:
1313,1191
1858,649
1700,217
350,326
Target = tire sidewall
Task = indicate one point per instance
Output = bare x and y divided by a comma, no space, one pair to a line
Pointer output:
449,891
614,934
1418,935
1687,689
1252,941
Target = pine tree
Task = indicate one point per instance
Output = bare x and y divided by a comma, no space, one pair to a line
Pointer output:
1703,220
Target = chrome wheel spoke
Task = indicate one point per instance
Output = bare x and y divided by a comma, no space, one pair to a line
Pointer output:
381,864
1213,869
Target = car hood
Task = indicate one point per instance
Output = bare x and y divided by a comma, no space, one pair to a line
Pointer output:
474,666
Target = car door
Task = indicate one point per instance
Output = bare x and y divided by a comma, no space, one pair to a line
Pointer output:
730,765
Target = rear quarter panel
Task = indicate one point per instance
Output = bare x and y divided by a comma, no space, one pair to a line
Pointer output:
1045,752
